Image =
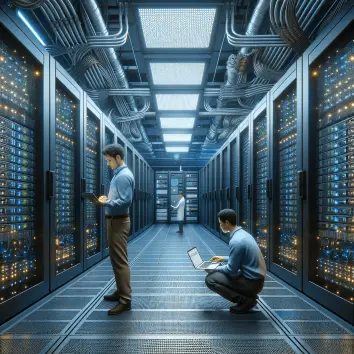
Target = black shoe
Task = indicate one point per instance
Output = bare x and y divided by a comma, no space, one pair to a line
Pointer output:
177,232
244,306
112,297
119,309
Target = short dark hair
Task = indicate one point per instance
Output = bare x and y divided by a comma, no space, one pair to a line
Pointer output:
228,215
180,193
113,150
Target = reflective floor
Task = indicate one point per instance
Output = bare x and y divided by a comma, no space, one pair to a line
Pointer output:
172,310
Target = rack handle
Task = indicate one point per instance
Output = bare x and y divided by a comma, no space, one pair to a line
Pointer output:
50,184
301,175
269,189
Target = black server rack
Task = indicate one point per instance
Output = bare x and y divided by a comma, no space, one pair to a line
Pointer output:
162,205
136,193
286,221
67,139
23,133
225,185
213,196
130,164
107,177
261,183
152,206
145,196
141,197
234,177
204,206
245,186
328,157
176,186
91,183
208,195
218,180
191,196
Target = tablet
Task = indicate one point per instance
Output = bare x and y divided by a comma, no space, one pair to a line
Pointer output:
92,198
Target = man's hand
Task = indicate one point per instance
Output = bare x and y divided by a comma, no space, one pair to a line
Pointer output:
102,199
217,259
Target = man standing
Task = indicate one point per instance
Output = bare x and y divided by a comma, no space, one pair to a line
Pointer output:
119,199
180,212
242,278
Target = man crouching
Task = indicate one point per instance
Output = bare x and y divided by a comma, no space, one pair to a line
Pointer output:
242,278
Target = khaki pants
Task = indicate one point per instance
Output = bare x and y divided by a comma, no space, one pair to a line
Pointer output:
117,234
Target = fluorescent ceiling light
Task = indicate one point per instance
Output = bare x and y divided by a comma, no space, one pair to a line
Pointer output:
177,123
177,27
177,73
177,102
25,21
177,148
177,137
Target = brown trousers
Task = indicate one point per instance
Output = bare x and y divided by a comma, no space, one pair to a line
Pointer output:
117,234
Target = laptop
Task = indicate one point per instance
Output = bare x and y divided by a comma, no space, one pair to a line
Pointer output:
92,198
198,262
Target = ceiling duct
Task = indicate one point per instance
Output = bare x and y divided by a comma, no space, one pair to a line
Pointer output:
100,28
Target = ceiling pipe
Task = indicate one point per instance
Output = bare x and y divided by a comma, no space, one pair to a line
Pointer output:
97,21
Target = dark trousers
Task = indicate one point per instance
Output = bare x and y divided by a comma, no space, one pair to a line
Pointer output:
232,287
180,225
117,234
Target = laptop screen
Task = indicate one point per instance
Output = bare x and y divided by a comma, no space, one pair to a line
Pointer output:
195,257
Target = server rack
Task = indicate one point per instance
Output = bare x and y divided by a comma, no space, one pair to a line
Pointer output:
225,185
92,183
259,171
234,177
162,205
136,193
328,159
176,184
287,175
146,214
130,164
245,176
203,197
109,138
208,196
23,132
213,196
66,172
218,179
191,196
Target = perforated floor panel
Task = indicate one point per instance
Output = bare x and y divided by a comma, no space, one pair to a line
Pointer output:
187,346
172,310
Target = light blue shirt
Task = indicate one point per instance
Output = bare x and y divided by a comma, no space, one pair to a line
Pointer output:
121,189
245,257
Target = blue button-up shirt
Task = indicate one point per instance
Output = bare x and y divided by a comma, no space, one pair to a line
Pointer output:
245,257
120,195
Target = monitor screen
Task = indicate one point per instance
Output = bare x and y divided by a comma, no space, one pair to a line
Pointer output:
195,257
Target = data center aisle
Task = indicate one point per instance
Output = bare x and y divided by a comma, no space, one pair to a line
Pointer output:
173,311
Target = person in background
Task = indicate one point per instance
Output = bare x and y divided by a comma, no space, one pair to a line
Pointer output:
117,204
242,278
180,212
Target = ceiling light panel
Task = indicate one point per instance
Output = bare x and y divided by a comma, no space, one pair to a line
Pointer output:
177,123
177,27
177,102
177,148
177,137
177,73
